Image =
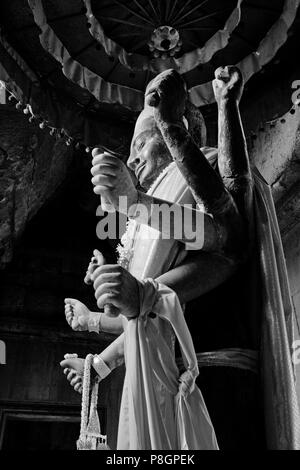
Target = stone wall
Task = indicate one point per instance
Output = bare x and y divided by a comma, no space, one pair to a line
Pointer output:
276,153
32,166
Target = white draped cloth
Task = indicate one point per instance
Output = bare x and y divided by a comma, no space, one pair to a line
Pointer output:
160,409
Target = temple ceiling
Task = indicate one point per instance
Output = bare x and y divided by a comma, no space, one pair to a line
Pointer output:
92,60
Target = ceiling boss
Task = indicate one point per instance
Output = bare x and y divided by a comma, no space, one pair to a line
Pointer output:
164,42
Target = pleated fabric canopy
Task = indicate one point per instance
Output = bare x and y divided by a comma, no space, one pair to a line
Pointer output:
74,62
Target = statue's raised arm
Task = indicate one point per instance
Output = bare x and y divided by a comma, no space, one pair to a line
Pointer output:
220,198
233,160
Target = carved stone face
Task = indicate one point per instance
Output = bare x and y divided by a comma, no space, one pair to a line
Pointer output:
149,154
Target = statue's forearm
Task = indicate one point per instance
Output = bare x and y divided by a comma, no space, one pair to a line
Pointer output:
206,185
200,273
232,150
200,176
233,160
113,355
109,324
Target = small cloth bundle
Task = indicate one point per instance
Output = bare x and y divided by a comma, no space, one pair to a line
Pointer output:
90,431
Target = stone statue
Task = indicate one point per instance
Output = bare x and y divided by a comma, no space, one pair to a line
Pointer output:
219,282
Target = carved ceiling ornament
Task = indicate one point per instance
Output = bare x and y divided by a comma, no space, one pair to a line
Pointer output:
157,64
132,98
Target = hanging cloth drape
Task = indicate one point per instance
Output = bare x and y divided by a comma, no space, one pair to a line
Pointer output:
281,407
161,409
280,399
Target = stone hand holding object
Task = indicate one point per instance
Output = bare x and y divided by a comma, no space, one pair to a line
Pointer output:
73,368
111,180
96,261
114,284
228,84
77,314
168,95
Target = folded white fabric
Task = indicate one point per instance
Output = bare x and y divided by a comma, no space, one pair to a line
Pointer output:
161,409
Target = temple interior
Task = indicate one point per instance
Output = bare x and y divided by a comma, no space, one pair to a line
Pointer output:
73,76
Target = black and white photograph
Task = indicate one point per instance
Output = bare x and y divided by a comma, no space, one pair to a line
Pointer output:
149,228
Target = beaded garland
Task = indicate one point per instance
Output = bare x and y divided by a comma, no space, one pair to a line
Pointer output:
90,431
125,249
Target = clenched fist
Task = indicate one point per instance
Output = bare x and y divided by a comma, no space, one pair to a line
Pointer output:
73,368
228,84
112,179
116,286
168,95
77,314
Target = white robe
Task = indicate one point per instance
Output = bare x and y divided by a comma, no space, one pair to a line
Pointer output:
157,411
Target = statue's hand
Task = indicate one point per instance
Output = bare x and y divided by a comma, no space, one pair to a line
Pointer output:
228,84
115,285
96,260
73,369
77,314
112,179
167,94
